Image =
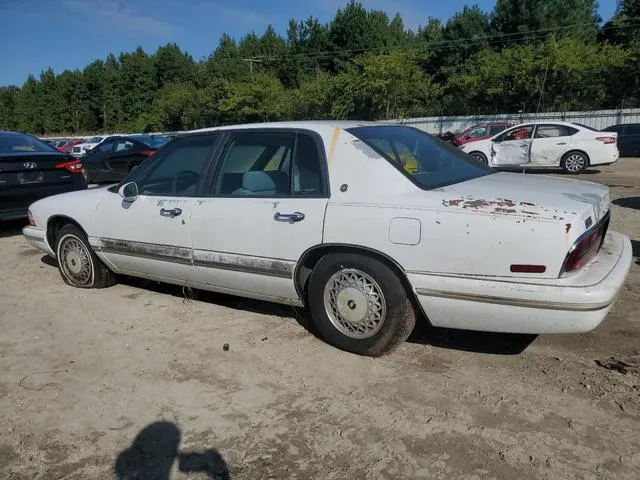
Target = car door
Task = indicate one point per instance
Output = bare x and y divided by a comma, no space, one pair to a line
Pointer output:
265,208
151,235
126,154
511,148
550,143
94,161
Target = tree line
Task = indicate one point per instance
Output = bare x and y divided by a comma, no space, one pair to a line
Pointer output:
524,55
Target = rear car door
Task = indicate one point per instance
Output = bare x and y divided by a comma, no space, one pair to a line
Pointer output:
550,143
95,161
125,155
266,206
151,236
511,148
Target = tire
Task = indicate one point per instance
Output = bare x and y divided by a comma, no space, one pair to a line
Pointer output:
479,157
574,162
336,289
78,264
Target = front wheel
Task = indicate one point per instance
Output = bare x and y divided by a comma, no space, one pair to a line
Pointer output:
360,305
479,157
574,162
78,264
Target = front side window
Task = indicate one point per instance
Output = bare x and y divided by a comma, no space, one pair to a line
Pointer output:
269,164
517,133
177,170
434,163
104,147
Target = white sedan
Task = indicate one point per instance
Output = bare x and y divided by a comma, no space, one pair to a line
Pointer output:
568,146
369,226
81,149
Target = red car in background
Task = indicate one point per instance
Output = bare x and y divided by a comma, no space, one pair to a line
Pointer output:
481,132
66,145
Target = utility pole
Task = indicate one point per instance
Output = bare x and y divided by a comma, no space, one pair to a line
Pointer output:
251,62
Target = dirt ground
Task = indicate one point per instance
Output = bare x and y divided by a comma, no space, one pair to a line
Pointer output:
133,382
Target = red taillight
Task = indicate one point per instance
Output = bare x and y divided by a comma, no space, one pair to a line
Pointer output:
73,166
148,153
606,140
583,250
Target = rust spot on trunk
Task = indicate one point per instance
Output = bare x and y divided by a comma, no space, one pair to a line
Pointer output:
528,204
567,227
529,213
504,210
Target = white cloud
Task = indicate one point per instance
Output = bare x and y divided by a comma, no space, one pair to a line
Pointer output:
115,15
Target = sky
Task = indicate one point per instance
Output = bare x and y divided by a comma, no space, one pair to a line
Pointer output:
69,34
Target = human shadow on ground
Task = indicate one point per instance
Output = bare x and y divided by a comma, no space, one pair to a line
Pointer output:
628,202
154,451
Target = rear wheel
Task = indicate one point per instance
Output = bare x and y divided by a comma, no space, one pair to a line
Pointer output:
78,264
360,305
479,157
574,162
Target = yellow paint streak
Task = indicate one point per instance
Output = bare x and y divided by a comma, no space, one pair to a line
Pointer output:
334,141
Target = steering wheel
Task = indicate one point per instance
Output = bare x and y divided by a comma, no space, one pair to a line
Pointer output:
183,180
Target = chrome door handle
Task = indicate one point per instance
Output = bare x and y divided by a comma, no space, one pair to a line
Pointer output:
289,217
170,212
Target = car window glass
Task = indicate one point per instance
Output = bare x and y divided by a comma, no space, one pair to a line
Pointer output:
124,145
307,167
551,131
521,133
256,164
633,130
397,151
478,132
496,129
104,147
177,170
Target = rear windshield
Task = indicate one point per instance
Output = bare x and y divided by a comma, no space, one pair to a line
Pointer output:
18,142
426,160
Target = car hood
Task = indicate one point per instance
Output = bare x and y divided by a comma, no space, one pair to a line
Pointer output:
542,197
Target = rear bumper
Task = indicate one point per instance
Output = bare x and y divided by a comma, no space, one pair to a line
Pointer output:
13,213
38,238
566,305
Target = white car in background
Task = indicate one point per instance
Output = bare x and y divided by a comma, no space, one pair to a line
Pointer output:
368,225
568,146
81,149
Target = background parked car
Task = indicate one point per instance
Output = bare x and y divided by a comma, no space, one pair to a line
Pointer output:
66,145
31,169
628,138
568,146
113,159
82,148
481,132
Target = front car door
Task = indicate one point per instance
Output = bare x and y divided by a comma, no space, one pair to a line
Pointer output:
511,148
550,143
151,236
265,207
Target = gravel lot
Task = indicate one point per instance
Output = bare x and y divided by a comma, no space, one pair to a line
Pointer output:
134,380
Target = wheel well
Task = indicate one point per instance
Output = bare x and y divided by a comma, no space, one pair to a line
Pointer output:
578,151
312,256
54,225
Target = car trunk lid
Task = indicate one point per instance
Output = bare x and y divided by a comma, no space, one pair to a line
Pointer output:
33,170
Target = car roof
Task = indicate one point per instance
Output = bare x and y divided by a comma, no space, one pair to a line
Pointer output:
303,124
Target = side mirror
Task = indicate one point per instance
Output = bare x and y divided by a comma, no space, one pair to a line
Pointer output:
128,191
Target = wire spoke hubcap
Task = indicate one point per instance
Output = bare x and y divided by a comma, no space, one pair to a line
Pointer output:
75,261
354,303
574,163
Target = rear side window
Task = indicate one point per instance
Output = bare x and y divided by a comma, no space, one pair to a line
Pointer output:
496,129
270,164
478,132
551,131
19,142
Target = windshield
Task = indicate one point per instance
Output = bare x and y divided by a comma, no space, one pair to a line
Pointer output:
427,161
94,140
19,142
